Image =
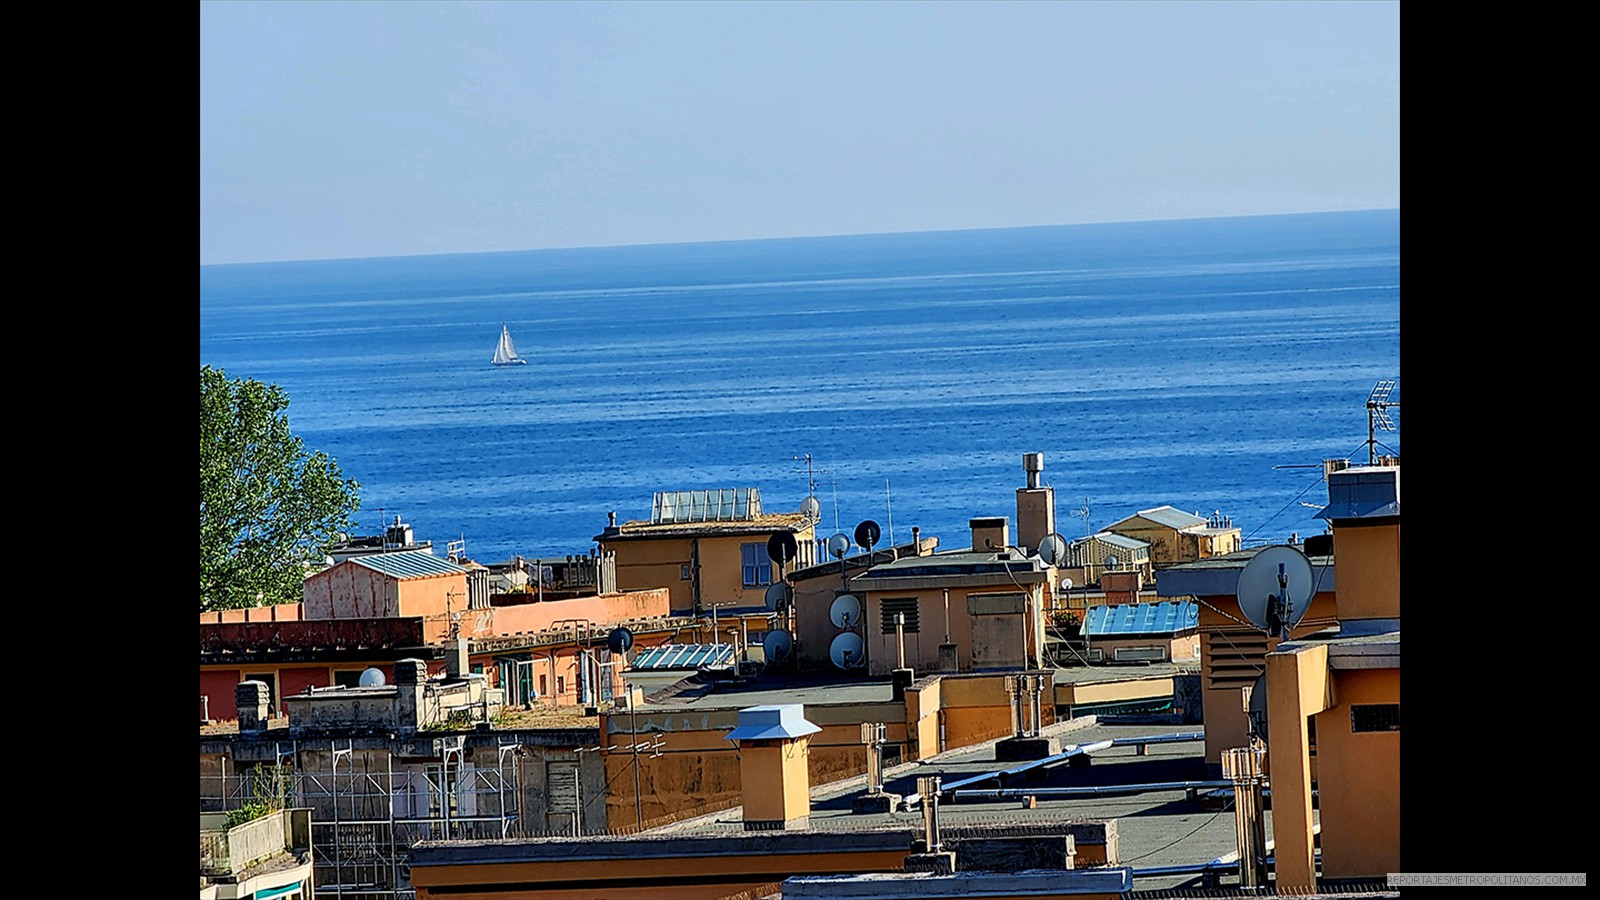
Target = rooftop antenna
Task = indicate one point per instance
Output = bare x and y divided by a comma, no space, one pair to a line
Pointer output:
888,504
1083,513
1378,404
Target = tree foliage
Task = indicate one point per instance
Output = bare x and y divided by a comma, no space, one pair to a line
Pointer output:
267,505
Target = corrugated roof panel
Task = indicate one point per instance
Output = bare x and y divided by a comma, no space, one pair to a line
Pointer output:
1141,618
408,564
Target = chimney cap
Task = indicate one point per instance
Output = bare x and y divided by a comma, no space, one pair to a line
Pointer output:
782,720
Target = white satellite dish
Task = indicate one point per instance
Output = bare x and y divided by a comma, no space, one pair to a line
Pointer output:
845,611
777,645
811,508
372,677
1275,589
838,544
846,651
1053,549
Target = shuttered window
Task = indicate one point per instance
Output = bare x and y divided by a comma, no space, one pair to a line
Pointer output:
907,605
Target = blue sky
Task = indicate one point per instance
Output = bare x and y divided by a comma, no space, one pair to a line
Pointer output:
335,130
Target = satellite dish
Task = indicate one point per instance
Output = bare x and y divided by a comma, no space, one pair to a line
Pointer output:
812,508
371,677
1256,707
777,645
1066,584
782,547
838,544
846,651
1275,589
845,611
867,534
619,640
778,596
1053,549
1111,561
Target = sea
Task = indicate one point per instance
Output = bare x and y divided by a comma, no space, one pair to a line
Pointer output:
1207,364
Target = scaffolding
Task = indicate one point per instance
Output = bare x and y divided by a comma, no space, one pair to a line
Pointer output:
369,807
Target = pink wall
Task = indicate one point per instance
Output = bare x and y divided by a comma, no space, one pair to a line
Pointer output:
282,612
353,591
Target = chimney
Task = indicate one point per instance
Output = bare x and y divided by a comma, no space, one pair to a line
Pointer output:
916,541
409,678
455,659
1036,506
990,534
253,699
774,746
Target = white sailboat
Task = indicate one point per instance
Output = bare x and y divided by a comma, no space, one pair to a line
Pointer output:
505,353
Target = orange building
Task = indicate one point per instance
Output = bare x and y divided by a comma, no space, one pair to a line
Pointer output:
707,548
1233,652
1343,687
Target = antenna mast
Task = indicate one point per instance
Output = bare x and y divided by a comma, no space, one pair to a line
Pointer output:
1378,403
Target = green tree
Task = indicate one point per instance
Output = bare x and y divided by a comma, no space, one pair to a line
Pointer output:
268,507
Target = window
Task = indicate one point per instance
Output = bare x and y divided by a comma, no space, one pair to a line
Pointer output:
907,605
757,565
1375,717
683,572
347,677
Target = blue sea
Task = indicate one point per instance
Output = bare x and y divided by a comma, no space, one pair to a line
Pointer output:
1207,364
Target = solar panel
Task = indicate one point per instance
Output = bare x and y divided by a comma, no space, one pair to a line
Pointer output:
684,656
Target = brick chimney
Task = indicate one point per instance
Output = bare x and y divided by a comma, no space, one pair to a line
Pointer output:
774,746
1036,505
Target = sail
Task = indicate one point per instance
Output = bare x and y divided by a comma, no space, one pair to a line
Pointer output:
505,353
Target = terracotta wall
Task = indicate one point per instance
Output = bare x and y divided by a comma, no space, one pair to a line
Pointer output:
282,612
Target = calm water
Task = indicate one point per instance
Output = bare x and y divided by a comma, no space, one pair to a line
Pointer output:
1152,363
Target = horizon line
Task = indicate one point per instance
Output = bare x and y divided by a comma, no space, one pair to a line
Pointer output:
792,237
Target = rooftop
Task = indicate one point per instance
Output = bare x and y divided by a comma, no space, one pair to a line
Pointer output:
1141,618
759,524
408,564
1170,516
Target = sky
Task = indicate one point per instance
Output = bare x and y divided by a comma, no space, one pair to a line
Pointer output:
360,129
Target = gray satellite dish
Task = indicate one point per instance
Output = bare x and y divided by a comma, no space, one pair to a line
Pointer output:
1275,589
1053,549
812,508
1256,708
845,651
778,596
1111,561
1066,584
777,645
372,677
845,611
838,544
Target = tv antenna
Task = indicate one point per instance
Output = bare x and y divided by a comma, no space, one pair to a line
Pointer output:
1378,404
1083,513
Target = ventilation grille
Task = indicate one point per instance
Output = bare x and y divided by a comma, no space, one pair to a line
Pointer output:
1234,658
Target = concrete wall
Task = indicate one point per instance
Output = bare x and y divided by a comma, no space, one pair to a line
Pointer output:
1371,556
1358,780
282,612
655,563
601,610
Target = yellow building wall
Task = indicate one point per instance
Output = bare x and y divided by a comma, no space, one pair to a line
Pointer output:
922,646
1359,779
655,563
1369,570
